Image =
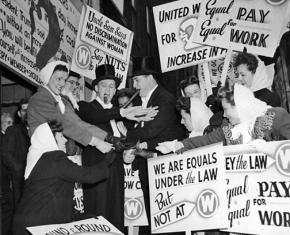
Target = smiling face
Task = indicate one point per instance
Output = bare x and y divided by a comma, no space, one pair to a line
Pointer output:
231,112
57,81
106,89
71,84
60,141
245,75
186,120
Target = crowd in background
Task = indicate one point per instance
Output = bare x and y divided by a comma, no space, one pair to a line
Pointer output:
119,127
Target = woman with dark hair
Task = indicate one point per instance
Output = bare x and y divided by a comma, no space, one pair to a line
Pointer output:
249,119
190,87
50,178
252,74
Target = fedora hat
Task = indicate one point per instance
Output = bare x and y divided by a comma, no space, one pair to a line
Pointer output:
105,71
144,66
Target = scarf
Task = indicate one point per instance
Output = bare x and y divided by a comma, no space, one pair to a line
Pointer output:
200,115
249,108
42,141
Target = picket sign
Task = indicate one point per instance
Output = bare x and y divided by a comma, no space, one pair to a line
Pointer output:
226,67
207,79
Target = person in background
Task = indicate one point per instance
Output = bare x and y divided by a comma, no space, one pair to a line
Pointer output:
6,190
190,87
70,89
252,74
15,148
48,191
6,121
47,104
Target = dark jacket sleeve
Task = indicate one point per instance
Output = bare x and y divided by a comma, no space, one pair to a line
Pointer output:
198,141
153,128
97,115
8,151
70,171
281,123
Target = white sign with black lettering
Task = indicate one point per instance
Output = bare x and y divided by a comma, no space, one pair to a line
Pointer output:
188,187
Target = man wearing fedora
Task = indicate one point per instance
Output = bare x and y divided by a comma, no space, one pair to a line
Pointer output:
107,197
165,126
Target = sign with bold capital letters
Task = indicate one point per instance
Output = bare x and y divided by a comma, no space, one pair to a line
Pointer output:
175,22
188,187
98,225
258,188
101,40
235,25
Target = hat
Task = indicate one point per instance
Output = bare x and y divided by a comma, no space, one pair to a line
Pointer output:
105,71
46,72
125,92
144,66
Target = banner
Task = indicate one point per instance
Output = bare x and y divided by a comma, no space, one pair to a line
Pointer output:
98,225
32,33
258,188
235,24
174,24
188,191
134,207
100,40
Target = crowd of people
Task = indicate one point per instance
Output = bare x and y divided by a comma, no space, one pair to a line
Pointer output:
119,127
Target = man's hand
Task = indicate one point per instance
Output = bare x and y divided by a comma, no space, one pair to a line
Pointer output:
101,145
137,112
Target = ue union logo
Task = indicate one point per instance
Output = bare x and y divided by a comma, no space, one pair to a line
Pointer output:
133,208
83,56
282,157
207,203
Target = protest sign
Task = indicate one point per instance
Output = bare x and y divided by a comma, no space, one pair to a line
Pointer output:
134,207
258,188
188,191
98,225
100,40
234,25
32,33
174,24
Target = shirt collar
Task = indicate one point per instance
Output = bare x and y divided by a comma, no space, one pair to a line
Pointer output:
105,106
147,97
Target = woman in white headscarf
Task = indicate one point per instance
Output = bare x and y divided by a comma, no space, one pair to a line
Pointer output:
49,180
252,73
249,119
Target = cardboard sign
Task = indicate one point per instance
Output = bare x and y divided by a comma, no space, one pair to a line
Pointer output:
235,24
258,188
98,225
134,207
174,24
100,40
28,39
188,191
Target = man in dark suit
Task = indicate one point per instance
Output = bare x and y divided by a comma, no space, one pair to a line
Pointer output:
106,198
164,127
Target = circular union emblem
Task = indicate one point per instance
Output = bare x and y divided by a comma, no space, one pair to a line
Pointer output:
275,2
133,208
282,157
83,56
207,203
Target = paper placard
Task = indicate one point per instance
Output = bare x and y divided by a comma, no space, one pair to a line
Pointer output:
174,24
188,191
101,40
258,188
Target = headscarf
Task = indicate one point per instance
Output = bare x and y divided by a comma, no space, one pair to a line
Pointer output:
249,108
261,79
46,72
42,141
200,115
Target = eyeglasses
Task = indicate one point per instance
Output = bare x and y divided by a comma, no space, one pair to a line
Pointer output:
73,83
